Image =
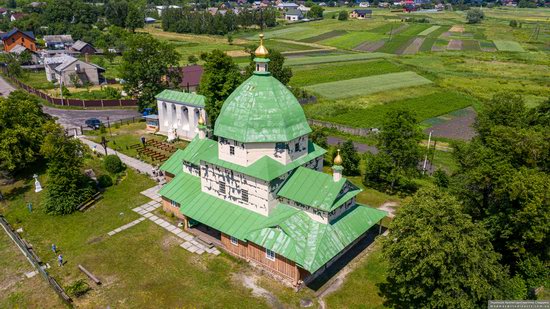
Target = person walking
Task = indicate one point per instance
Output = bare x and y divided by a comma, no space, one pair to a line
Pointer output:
143,141
60,260
54,248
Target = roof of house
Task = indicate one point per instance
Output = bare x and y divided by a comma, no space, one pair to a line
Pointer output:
261,109
192,75
18,15
79,45
287,231
363,11
287,4
293,12
13,31
318,190
180,97
18,49
63,38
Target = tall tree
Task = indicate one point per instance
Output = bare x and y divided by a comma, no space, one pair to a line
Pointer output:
439,258
276,65
144,64
503,109
21,130
135,18
350,158
116,12
67,187
221,76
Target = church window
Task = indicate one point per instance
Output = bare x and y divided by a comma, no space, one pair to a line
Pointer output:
234,241
232,150
270,255
244,195
222,187
297,147
174,203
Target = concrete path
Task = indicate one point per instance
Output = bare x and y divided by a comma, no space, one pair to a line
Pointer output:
129,161
5,87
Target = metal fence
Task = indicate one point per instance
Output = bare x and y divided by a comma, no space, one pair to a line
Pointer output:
68,101
34,260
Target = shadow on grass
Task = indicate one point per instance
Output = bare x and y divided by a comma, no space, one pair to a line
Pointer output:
320,282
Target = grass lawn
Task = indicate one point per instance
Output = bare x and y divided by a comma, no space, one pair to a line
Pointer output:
509,46
16,290
368,85
314,74
37,80
360,289
333,58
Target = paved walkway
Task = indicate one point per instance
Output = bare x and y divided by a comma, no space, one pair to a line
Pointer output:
136,164
189,243
5,87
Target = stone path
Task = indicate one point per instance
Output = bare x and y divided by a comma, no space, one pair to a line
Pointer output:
145,210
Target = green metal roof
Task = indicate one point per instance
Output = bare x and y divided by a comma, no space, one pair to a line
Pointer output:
316,189
287,231
174,164
264,168
261,110
180,97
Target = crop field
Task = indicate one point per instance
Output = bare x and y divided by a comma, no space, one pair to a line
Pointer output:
454,125
352,39
324,36
510,46
368,85
334,58
429,30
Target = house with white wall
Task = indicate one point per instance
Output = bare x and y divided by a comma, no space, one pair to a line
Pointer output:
179,113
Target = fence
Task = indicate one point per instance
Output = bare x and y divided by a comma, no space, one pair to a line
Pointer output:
342,128
72,102
34,260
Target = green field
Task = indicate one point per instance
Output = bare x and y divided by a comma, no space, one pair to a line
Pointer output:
368,85
321,73
352,39
510,46
429,30
333,58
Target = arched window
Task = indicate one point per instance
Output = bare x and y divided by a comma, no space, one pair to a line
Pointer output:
185,118
174,116
164,113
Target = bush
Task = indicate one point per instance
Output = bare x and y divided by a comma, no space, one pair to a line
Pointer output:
78,288
113,164
102,129
343,15
513,23
441,178
474,16
105,181
112,93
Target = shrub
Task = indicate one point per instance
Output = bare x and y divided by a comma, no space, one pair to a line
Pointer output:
441,178
112,93
102,129
513,23
113,164
78,288
343,15
105,181
474,16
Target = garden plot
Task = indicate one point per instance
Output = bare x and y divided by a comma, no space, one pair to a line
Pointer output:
454,125
324,36
487,46
429,30
368,85
370,46
454,45
352,39
279,33
510,46
414,47
457,28
334,58
398,29
470,45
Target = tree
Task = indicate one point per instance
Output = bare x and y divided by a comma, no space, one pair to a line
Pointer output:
67,187
439,258
116,12
144,64
343,15
21,130
221,76
350,158
192,59
113,164
319,136
276,66
12,4
441,178
474,15
135,18
13,64
316,11
503,109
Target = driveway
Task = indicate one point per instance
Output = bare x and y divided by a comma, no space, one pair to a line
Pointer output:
74,118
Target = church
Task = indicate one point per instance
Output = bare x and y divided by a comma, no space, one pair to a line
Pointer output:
259,188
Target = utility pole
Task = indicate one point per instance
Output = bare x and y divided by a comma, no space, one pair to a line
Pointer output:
427,150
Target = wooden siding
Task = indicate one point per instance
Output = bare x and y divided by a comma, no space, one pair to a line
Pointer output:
168,177
167,206
239,250
19,38
281,265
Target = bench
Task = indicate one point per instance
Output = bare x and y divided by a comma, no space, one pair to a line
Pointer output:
205,242
89,202
89,274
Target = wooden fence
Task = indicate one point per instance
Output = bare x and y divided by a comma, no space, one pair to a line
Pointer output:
35,261
342,128
69,101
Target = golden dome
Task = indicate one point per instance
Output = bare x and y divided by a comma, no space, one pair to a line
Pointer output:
338,159
261,51
201,120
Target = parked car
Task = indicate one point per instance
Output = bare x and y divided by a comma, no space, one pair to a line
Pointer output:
93,123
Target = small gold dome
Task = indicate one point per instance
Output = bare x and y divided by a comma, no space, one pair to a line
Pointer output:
338,159
261,51
201,120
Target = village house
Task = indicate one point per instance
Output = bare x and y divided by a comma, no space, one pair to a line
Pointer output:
259,191
19,49
293,15
162,8
364,4
71,71
287,5
303,8
61,41
17,37
179,113
17,16
360,14
83,48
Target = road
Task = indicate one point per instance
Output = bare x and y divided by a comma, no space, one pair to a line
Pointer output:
333,140
74,118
